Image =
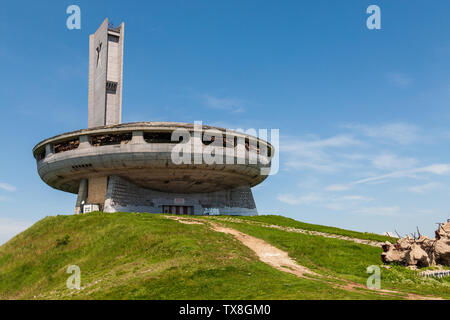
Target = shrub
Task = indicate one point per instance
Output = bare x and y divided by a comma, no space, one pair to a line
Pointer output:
64,241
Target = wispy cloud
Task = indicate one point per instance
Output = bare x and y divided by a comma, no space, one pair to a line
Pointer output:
372,155
437,169
424,188
316,154
7,187
400,133
226,104
344,151
389,161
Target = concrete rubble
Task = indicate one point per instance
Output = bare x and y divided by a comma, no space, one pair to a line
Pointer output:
420,252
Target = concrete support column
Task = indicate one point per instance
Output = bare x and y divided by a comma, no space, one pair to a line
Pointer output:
48,149
84,142
138,137
82,195
97,191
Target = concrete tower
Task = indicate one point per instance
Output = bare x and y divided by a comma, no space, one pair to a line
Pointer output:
106,75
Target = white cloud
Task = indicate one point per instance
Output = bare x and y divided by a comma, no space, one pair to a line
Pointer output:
333,154
424,188
7,187
388,161
398,132
226,104
437,169
317,154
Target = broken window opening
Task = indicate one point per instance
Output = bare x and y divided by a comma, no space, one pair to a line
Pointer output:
111,86
66,145
111,139
208,139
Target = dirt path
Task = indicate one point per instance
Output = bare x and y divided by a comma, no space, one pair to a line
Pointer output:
267,253
185,221
309,232
280,260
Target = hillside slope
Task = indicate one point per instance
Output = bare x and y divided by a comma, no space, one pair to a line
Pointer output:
143,256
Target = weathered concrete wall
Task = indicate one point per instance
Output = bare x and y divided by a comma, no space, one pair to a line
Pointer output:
146,164
98,58
125,196
97,190
155,180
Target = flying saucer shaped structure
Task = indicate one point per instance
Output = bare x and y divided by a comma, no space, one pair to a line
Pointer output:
136,167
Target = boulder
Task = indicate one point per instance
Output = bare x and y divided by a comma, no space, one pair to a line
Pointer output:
442,246
417,256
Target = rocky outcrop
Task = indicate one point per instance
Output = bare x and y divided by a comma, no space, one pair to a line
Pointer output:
442,247
420,252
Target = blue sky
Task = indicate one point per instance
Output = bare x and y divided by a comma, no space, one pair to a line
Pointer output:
363,114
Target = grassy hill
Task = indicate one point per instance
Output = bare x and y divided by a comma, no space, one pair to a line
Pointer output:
143,256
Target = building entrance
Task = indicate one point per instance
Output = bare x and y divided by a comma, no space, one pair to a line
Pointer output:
189,210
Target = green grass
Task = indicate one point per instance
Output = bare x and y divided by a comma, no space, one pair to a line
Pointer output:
143,256
288,222
343,259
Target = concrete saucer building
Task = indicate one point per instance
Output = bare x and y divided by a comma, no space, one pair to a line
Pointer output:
130,167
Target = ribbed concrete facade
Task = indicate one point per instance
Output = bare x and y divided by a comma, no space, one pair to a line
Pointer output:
124,196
